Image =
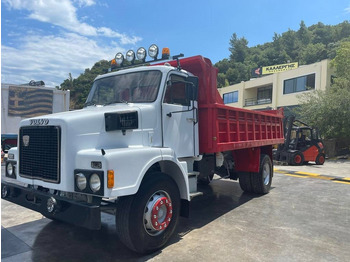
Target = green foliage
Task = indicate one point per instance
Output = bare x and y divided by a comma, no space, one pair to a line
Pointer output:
80,87
341,62
238,48
329,110
307,45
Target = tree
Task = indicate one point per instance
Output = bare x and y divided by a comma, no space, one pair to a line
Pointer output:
329,110
238,48
341,62
313,53
304,34
80,87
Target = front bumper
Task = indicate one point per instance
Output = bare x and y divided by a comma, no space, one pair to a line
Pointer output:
77,213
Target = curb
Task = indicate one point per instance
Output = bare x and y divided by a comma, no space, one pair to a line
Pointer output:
343,180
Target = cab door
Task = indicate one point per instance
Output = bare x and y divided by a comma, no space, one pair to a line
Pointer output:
179,115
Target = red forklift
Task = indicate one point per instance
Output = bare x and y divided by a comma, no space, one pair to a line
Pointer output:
302,144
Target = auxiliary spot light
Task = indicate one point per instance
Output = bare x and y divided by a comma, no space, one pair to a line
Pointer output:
119,58
130,56
153,51
141,54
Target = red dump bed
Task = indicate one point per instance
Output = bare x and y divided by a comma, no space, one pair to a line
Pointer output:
225,128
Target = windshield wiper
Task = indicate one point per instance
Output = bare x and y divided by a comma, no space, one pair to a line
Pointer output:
116,101
89,103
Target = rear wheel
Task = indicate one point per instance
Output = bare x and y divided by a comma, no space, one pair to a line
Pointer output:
146,221
320,159
259,183
245,181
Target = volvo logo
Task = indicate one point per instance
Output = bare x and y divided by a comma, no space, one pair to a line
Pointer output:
25,140
39,122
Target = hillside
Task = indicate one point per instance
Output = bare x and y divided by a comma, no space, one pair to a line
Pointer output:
306,46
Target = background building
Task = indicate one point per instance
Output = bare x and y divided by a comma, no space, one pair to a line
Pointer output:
279,89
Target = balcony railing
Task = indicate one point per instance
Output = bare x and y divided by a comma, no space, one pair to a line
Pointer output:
255,101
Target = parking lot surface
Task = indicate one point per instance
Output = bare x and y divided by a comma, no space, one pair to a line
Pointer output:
305,217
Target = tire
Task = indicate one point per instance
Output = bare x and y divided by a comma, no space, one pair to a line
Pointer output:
136,225
259,183
297,159
320,159
245,183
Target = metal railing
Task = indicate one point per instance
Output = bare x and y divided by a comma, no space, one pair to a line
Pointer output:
255,101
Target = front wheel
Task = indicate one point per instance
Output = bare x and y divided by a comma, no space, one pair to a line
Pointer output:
297,159
147,220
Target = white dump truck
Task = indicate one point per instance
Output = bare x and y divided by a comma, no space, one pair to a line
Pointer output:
147,135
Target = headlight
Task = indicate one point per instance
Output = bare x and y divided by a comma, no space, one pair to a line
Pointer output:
130,56
119,58
95,183
9,169
11,156
153,51
141,54
80,180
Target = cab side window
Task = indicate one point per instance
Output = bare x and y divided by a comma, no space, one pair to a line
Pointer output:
176,91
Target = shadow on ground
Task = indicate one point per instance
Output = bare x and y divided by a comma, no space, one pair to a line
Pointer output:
58,241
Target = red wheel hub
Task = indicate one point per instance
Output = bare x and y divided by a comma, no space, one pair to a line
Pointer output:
321,159
297,159
161,214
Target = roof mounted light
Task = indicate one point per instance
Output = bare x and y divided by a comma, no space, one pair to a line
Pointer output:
119,58
165,53
130,56
141,54
153,51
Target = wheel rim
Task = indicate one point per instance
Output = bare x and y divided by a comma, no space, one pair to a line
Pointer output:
266,174
321,159
158,213
297,159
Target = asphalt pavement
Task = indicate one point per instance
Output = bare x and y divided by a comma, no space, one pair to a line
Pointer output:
305,217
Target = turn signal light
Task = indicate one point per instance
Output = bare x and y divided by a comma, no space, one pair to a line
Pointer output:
110,178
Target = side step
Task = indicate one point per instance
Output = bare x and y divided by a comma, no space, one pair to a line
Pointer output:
192,179
195,194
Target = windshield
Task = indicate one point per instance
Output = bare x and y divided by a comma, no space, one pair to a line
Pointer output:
137,87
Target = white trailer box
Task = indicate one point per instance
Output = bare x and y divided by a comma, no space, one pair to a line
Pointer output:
23,101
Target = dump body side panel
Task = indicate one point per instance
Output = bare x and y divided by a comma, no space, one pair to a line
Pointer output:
225,128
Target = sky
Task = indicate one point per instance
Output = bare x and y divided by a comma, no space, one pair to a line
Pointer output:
48,39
